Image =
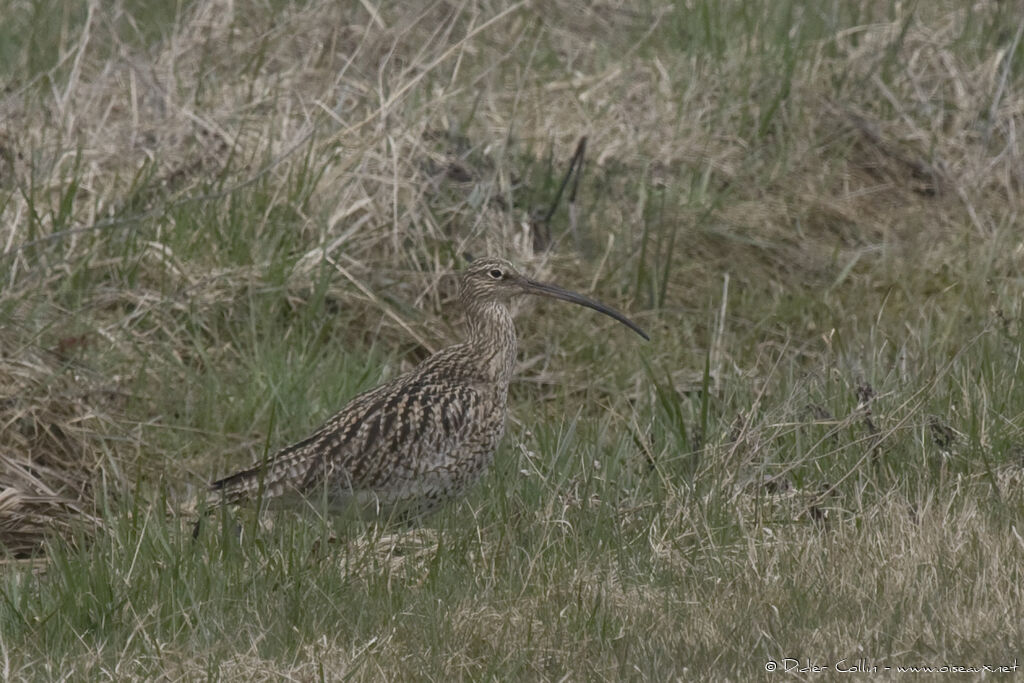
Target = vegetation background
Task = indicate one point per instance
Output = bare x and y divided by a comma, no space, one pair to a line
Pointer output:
219,220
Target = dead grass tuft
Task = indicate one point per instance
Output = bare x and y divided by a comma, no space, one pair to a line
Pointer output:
53,423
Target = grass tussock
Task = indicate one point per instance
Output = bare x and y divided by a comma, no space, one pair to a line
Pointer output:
51,444
219,221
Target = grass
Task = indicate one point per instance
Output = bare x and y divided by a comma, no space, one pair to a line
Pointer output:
218,226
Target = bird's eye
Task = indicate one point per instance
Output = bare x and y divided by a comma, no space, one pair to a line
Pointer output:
496,274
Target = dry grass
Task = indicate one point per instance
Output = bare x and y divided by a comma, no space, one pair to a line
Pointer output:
54,419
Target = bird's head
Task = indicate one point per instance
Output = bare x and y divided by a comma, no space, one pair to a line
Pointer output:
494,279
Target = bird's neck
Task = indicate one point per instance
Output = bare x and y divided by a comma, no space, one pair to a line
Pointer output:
492,334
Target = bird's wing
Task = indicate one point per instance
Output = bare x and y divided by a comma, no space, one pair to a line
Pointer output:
390,433
408,432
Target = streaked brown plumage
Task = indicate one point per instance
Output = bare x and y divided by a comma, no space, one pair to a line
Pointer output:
414,442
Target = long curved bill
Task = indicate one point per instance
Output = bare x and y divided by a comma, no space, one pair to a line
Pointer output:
556,292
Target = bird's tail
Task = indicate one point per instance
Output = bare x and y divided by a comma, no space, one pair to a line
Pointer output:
290,470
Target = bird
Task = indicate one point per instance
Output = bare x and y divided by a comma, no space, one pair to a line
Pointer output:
411,444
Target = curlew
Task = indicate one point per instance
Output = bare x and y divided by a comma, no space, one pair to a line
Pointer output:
410,444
